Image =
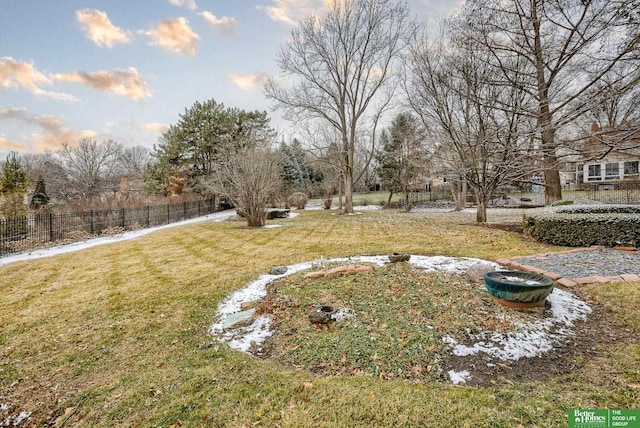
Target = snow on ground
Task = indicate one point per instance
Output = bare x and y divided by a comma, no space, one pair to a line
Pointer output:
458,378
316,207
92,242
14,422
251,337
529,339
132,234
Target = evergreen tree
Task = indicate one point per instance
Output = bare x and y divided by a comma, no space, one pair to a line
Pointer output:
202,140
297,174
40,198
13,186
402,156
14,178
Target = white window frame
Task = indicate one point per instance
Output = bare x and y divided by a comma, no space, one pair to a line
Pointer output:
597,168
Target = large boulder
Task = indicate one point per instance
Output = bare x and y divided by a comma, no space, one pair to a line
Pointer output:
476,271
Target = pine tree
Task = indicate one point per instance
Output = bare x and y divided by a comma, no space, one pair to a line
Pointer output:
14,179
401,157
13,186
40,198
297,174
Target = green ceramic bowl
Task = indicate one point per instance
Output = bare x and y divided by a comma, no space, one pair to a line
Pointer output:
520,287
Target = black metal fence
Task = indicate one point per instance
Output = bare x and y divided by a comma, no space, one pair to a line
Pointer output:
618,192
19,234
621,192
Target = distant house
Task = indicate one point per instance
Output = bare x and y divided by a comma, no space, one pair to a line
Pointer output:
611,169
610,159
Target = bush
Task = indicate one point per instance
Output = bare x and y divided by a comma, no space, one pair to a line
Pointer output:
77,235
298,200
115,230
581,226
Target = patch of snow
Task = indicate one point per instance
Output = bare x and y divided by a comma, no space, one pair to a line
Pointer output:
3,407
458,378
256,290
92,242
518,279
366,207
342,313
271,226
317,207
458,265
244,339
23,416
252,292
530,339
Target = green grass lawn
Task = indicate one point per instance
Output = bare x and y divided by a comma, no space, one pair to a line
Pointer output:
117,335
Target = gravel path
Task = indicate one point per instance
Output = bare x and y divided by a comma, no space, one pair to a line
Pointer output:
603,262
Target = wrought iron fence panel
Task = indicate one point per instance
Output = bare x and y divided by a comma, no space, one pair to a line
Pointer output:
23,233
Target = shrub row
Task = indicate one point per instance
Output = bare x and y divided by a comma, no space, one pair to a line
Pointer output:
586,225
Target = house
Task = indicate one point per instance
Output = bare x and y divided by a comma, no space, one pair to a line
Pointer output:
611,158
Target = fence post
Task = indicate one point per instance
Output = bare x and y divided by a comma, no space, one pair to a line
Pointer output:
51,237
148,216
168,210
123,218
91,222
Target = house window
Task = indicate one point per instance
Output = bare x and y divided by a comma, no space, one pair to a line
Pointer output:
611,171
594,172
631,168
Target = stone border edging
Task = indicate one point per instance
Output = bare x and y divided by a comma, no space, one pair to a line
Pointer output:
567,282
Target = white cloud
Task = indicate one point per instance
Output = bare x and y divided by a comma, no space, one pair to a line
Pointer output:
293,11
174,35
14,74
127,82
189,4
249,81
152,127
48,132
55,133
12,113
99,29
12,146
226,25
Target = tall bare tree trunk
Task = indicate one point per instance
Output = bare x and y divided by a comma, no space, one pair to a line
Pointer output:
553,186
481,212
553,191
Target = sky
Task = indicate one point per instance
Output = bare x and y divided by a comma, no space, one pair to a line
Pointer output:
125,70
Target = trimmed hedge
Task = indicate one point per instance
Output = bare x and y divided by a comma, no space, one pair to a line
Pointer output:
582,226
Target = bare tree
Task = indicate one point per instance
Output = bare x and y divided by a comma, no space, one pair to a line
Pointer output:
249,178
566,48
452,87
133,161
132,164
90,169
326,154
48,166
612,123
343,62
